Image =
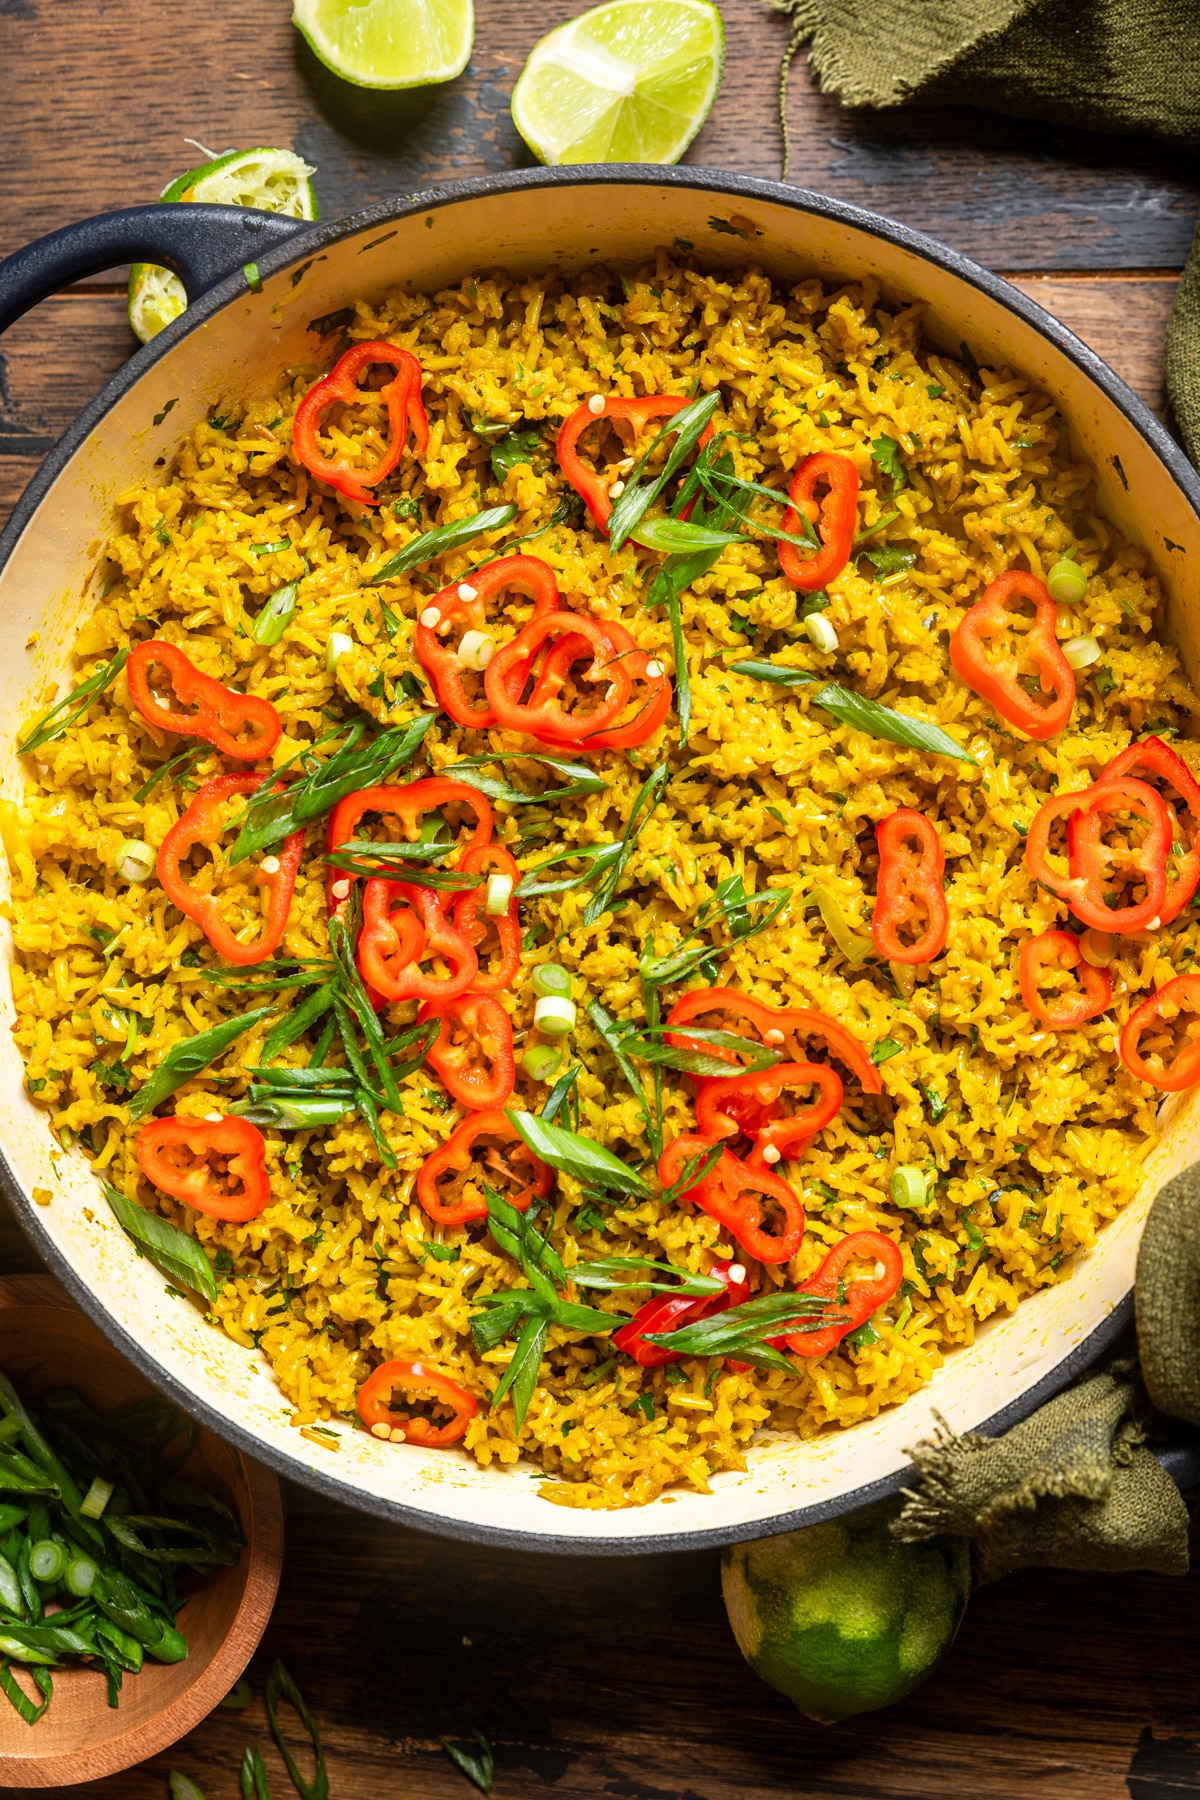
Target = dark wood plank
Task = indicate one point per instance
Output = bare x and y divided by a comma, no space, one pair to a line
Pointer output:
98,120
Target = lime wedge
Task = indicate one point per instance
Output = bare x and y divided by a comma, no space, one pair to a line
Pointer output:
270,180
389,43
632,81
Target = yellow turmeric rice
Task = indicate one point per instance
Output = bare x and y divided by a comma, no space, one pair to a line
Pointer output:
1028,1139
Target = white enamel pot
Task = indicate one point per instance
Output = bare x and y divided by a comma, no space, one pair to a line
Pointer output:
245,326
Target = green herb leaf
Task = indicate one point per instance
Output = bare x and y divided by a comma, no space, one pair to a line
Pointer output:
579,779
607,1271
513,449
866,715
885,454
477,1769
885,1048
433,543
60,718
185,760
687,426
188,1058
615,1032
742,1331
648,797
891,559
178,1256
275,617
600,858
648,1047
695,1170
732,906
254,1771
522,1372
776,672
578,1156
297,1021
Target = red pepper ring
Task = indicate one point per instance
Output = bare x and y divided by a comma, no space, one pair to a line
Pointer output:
641,667
862,1297
401,396
202,824
909,891
737,1196
995,678
516,1173
1183,1071
473,1051
719,1103
198,1161
1152,757
417,1381
409,804
666,1312
1064,1010
590,486
779,1026
387,961
217,712
441,663
466,918
837,515
1089,859
547,715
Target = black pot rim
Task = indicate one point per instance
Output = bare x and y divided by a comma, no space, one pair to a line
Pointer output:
299,249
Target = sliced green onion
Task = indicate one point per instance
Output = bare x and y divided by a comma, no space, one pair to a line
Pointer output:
275,617
1081,652
541,1062
908,1186
339,643
552,978
1098,948
80,1576
96,1498
554,1015
855,946
134,860
821,633
1066,582
47,1560
499,894
476,650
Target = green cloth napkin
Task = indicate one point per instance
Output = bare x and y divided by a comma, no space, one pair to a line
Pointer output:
1129,67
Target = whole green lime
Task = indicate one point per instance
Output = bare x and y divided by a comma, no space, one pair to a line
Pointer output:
843,1617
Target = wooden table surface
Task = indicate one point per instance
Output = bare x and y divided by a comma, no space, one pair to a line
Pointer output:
610,1678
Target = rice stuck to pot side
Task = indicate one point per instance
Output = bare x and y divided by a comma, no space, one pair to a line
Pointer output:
1031,1139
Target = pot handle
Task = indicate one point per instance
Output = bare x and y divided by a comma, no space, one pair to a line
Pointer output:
202,244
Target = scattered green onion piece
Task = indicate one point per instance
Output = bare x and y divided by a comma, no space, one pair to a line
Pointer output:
275,617
821,633
499,894
909,1187
855,946
1081,652
339,643
1097,948
1066,582
541,1062
476,650
96,1498
134,860
47,1560
80,1576
552,978
554,1015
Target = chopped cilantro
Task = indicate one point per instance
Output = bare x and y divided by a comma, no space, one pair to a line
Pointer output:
884,1048
885,454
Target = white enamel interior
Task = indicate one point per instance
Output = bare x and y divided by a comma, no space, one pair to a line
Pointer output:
47,581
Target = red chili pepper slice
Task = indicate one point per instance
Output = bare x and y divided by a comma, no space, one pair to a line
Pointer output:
440,661
724,1108
739,1197
590,486
641,667
1091,862
909,894
995,676
490,1142
1183,1071
473,1051
780,1026
217,713
1152,758
547,715
1064,1010
862,1297
390,952
401,396
468,917
837,515
416,1381
408,804
202,823
665,1313
219,1166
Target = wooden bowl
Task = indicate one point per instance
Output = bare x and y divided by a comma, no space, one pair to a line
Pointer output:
46,1342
